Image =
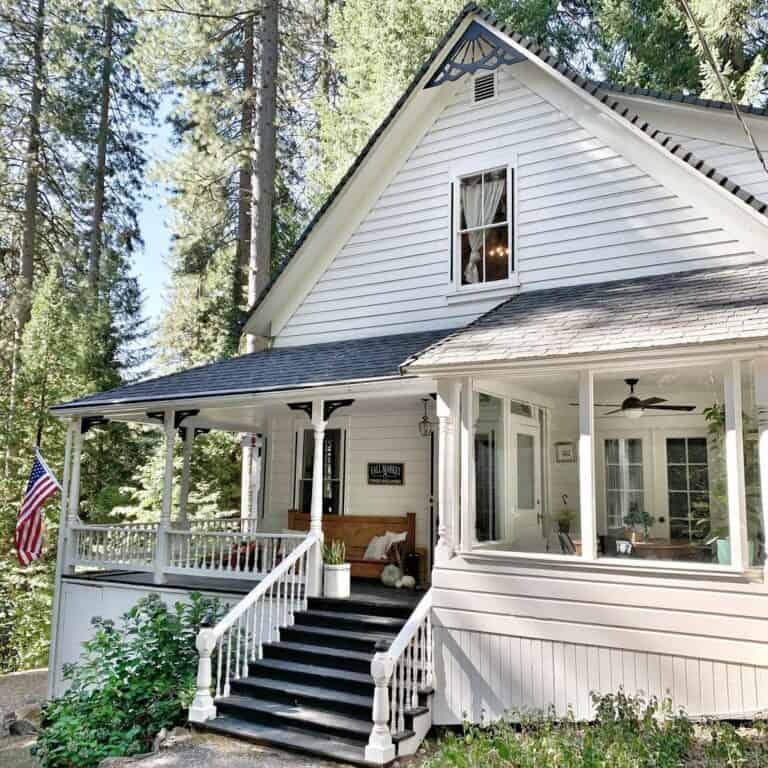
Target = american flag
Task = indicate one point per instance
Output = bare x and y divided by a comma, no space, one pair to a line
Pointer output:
29,523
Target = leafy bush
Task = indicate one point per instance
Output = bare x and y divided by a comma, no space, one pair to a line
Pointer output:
627,733
130,682
728,747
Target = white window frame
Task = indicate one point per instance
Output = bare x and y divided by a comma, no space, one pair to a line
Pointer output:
462,169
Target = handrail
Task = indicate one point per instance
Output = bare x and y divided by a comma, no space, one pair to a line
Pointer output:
400,674
239,637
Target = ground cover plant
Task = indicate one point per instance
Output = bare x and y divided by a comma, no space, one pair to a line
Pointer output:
627,732
132,679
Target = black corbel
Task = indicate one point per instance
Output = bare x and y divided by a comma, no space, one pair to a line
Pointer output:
89,422
178,416
156,416
306,407
329,406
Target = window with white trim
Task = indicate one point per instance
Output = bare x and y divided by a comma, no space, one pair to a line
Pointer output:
624,491
484,233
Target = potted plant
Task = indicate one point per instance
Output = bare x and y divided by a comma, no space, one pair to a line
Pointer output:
638,521
336,570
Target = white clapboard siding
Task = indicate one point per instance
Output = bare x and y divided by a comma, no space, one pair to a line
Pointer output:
740,164
584,213
375,433
554,634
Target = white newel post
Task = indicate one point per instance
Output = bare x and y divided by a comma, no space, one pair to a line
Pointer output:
447,413
734,467
316,508
588,508
62,555
468,419
161,548
380,748
761,405
189,439
203,708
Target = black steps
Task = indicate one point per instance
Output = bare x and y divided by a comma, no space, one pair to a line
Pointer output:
312,691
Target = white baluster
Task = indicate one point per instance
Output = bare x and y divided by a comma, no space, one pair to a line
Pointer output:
228,666
414,670
402,678
219,657
380,748
203,708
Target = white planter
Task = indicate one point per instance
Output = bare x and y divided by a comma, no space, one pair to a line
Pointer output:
336,580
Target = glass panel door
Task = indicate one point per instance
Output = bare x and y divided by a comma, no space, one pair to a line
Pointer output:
333,471
528,531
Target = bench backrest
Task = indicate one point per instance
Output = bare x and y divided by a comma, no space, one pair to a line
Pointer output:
356,531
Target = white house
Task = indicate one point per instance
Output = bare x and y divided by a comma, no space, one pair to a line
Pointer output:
571,281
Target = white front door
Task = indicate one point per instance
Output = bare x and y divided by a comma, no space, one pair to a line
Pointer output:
525,475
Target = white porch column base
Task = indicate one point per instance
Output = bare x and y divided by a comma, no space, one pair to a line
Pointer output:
202,707
761,403
161,547
447,491
380,748
315,559
588,508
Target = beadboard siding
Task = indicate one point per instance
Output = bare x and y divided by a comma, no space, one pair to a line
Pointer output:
584,213
387,434
554,634
740,164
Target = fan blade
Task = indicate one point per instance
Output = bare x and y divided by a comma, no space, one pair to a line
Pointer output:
670,407
653,401
610,413
600,405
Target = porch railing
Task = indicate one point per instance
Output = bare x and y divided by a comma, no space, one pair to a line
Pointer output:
128,545
233,554
239,637
401,674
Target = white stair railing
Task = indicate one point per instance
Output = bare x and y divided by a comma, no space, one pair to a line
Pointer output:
239,637
400,674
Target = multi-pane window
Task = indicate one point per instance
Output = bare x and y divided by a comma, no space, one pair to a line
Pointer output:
623,479
688,487
484,227
333,471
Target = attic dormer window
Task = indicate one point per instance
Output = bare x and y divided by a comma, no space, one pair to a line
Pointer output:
484,87
484,226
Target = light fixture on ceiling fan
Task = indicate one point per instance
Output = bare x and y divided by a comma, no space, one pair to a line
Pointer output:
634,407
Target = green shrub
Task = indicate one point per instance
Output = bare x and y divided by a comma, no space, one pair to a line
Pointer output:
130,682
627,733
731,748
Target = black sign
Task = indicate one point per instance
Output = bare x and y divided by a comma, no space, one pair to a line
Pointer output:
386,474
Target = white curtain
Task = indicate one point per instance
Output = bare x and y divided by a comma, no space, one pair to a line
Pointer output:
478,212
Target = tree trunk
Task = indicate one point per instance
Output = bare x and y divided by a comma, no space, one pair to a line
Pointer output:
246,164
265,145
24,284
94,263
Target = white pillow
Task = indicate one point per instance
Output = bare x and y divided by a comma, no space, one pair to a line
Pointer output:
396,538
377,549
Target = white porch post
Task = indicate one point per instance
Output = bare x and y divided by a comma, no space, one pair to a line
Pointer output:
448,394
161,549
588,507
73,511
466,534
761,406
62,565
734,467
316,506
189,440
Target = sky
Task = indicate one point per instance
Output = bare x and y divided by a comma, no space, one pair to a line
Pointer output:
151,265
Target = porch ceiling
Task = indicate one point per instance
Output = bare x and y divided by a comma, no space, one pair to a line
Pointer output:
699,308
288,372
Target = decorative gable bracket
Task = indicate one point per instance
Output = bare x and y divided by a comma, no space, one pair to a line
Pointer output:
478,48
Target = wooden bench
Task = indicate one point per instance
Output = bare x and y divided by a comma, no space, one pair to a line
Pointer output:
356,531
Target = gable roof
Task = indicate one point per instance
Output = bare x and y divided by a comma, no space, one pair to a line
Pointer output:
601,91
282,368
670,310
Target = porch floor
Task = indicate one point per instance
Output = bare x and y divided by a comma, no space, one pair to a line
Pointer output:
362,589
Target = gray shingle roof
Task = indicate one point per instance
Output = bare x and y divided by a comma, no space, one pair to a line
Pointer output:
283,368
697,307
600,90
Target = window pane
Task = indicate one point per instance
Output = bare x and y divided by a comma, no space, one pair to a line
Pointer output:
635,476
634,451
677,478
471,199
489,470
697,450
678,505
613,478
698,478
308,453
526,472
612,451
472,257
676,451
495,196
332,470
497,253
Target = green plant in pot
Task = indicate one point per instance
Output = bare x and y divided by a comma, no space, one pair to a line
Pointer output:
336,570
638,521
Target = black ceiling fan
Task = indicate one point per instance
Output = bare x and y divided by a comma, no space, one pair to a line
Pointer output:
634,406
